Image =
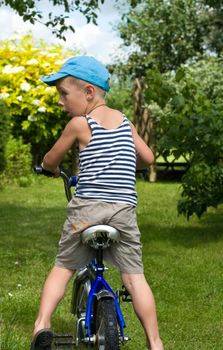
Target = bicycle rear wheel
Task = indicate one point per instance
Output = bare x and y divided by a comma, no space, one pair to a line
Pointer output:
107,325
81,298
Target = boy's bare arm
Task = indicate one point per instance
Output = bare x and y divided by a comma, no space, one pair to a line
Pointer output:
145,156
53,158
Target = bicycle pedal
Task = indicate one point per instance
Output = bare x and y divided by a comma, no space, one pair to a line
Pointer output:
63,342
126,338
123,295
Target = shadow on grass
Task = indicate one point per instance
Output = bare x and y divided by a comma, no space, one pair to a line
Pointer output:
29,234
16,218
207,230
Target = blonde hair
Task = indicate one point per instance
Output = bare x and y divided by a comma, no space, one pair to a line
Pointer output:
81,84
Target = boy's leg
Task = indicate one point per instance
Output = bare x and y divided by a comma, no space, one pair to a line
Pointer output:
144,306
53,291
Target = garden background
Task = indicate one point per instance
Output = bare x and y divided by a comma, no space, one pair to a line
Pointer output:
175,61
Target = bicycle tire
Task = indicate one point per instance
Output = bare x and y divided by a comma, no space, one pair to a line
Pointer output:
107,325
81,299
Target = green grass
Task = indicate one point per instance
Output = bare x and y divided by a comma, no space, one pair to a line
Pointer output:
183,264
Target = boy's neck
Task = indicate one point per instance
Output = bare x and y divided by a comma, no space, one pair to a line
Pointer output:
97,106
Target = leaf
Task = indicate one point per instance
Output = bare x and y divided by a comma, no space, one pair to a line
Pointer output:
178,102
180,74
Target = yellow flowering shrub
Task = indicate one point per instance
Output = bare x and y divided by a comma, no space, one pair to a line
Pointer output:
32,104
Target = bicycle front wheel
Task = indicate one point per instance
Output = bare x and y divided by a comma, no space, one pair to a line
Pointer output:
107,325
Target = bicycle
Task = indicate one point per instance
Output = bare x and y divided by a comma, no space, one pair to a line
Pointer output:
99,319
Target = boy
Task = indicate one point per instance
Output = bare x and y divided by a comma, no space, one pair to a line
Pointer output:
105,194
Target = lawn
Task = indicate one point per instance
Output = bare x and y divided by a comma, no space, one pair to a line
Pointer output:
183,264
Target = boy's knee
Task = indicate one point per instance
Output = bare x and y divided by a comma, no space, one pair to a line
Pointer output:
132,281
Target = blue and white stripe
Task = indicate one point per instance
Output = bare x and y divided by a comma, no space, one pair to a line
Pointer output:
108,164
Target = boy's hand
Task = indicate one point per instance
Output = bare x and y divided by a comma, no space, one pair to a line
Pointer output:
55,172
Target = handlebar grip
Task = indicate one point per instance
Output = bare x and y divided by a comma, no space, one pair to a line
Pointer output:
41,171
73,180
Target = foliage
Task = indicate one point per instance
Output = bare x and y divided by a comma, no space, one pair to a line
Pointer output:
166,39
35,114
4,133
164,34
18,162
214,15
191,125
28,10
202,188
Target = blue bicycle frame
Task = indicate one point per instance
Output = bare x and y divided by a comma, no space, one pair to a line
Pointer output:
100,284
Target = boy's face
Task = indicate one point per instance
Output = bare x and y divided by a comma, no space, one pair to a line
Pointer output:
71,97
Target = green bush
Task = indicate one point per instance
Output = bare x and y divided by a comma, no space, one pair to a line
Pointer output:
18,162
190,126
4,133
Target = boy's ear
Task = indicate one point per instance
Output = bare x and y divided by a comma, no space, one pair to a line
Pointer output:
89,90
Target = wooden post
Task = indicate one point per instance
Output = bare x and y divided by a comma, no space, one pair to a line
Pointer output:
144,122
74,159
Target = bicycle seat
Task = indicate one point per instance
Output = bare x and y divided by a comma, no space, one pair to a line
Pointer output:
100,236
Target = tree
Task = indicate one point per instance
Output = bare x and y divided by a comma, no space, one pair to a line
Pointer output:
28,10
165,34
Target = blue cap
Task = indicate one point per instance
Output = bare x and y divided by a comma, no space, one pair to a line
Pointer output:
82,67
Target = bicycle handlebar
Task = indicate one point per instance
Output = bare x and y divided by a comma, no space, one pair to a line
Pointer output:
41,171
68,181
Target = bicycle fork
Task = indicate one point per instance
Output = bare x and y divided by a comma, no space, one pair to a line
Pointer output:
101,289
95,288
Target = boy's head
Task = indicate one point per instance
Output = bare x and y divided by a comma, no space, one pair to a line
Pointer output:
84,68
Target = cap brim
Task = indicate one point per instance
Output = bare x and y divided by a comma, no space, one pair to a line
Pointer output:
52,78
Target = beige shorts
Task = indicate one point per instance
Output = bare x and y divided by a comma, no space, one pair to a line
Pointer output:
82,213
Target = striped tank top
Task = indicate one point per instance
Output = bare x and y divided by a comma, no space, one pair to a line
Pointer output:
108,164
